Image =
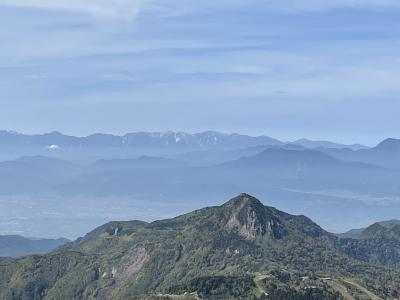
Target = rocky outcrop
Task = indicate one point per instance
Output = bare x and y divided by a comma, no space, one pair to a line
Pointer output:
250,218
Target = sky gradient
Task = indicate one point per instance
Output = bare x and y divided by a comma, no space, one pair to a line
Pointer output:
325,69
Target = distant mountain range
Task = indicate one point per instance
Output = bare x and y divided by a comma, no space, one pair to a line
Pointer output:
239,250
15,245
304,170
210,157
168,139
386,154
204,140
326,144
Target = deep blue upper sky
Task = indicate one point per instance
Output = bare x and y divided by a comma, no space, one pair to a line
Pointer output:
291,68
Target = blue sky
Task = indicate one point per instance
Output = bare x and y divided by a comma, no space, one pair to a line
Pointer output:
322,69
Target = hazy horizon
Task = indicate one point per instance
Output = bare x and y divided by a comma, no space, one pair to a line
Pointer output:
252,134
289,70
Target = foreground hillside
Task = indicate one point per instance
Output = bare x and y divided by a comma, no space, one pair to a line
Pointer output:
240,250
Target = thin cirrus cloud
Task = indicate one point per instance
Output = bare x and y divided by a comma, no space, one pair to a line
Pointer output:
189,63
319,5
95,8
130,8
188,6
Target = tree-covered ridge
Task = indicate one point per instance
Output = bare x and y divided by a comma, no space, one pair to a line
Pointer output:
377,244
240,250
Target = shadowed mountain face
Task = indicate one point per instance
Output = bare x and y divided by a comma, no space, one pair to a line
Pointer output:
143,162
313,170
212,157
386,154
34,174
389,145
278,158
14,245
130,176
240,250
39,164
326,144
289,168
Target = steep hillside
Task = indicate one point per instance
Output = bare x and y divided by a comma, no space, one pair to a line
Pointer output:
240,250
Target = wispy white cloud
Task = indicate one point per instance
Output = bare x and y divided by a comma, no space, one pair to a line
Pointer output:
96,8
321,5
130,8
35,76
193,59
175,8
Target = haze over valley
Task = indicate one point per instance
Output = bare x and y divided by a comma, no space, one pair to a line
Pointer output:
54,185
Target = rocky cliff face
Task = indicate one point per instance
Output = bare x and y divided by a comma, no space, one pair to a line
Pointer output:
251,218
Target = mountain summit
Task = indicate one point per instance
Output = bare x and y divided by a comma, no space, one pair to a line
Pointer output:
251,218
239,250
389,145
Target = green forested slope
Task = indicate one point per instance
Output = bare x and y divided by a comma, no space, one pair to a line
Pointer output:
240,250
